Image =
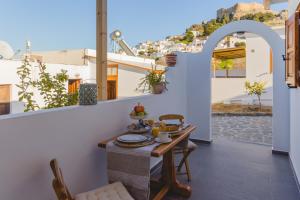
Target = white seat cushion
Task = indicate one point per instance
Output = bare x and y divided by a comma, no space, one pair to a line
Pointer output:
115,191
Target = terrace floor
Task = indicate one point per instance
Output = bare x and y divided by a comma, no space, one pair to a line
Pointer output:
253,129
231,170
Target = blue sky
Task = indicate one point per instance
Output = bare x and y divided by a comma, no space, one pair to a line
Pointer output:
70,24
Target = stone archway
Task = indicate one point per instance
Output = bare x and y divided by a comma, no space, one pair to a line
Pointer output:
199,82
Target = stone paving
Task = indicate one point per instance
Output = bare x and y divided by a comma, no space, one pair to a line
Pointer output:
253,129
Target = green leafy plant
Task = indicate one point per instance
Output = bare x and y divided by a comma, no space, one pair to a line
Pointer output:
188,37
26,86
260,17
51,88
257,88
154,77
226,64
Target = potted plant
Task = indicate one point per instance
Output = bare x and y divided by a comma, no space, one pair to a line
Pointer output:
154,82
171,59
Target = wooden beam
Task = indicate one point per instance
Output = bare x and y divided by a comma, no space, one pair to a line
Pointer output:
101,49
267,4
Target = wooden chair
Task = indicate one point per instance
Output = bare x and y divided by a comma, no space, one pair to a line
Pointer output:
185,147
115,191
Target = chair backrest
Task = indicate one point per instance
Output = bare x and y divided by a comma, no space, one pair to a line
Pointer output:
59,186
172,117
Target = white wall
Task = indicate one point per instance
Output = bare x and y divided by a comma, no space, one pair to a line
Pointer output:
295,115
233,90
128,79
258,65
29,140
257,59
227,88
295,130
292,6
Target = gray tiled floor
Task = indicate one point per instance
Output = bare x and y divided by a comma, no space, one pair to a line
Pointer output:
253,129
227,170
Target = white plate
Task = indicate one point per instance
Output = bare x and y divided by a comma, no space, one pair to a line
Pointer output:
132,138
163,142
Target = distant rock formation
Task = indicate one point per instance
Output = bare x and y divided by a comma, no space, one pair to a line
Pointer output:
241,9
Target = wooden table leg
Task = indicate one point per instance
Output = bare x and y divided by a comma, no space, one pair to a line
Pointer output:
162,193
169,177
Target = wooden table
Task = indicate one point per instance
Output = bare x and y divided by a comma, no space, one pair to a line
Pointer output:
169,180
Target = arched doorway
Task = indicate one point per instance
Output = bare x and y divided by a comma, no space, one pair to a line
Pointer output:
199,74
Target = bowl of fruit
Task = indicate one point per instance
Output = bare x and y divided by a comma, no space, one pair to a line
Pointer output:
138,112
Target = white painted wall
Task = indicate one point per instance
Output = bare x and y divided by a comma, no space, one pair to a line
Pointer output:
257,59
29,140
292,6
295,130
199,84
129,78
295,115
227,89
233,90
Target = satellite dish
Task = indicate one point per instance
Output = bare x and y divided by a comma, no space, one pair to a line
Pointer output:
6,52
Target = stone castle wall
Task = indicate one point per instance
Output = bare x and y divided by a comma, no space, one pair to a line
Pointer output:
240,9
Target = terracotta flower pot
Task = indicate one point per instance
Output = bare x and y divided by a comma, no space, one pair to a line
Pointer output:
171,59
158,88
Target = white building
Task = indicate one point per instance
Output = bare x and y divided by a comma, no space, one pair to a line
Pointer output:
124,74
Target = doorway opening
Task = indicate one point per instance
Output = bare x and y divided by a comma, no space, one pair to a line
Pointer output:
242,89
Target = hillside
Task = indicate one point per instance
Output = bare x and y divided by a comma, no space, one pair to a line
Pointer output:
237,12
194,37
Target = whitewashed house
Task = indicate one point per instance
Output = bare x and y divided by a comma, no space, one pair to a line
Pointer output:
124,74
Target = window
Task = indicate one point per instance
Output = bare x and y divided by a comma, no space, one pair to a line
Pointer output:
112,81
5,98
73,85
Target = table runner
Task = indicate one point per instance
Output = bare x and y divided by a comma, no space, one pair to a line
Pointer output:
131,166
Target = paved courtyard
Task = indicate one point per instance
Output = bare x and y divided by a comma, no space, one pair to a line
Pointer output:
253,129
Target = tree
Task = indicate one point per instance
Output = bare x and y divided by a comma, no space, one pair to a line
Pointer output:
260,17
257,88
51,88
141,53
226,64
188,37
26,86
